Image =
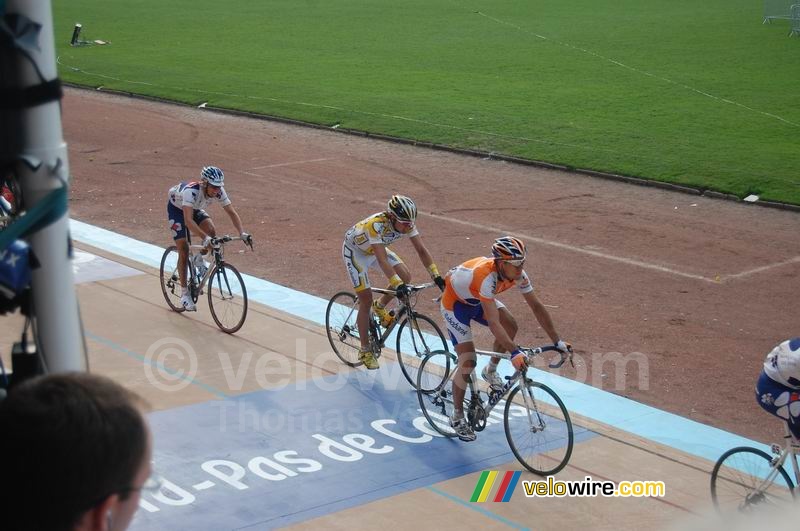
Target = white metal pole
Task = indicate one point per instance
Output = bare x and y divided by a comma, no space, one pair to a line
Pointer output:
33,135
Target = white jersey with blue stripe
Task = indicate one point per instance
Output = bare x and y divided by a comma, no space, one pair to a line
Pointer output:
783,363
191,194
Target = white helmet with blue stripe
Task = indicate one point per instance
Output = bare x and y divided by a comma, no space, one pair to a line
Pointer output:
213,176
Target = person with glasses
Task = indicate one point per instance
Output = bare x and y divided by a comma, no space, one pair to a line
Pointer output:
470,295
185,211
77,454
367,244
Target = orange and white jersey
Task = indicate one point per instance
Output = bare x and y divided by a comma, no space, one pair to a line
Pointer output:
375,229
476,281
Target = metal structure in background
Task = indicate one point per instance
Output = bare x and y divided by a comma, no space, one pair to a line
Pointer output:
32,146
777,9
795,20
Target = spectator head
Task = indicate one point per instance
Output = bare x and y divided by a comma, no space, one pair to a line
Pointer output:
76,450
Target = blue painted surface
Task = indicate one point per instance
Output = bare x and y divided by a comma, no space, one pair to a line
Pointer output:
641,420
351,417
88,267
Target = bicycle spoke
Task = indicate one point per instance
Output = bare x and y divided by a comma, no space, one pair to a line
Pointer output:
170,281
436,374
227,298
342,329
417,336
744,478
538,428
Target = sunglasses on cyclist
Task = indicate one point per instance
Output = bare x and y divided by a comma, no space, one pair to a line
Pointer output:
404,223
515,263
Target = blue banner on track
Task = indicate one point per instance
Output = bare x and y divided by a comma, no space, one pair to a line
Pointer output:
272,458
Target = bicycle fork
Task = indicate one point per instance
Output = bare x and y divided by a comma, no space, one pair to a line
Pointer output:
537,424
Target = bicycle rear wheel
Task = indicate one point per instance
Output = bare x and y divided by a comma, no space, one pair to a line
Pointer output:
342,329
227,298
736,481
417,336
538,428
435,390
170,282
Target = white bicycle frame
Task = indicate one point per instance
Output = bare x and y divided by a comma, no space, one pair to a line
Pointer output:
790,448
216,247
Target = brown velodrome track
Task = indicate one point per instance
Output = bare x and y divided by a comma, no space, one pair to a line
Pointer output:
702,288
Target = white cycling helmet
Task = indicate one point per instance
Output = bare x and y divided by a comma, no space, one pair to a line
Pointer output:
213,176
403,208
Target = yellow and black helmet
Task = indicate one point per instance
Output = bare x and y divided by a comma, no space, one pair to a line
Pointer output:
402,207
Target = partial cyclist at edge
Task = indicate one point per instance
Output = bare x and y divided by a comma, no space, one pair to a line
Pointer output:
186,211
470,295
367,244
778,386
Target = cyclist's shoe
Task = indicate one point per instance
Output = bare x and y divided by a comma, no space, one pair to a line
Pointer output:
368,358
385,316
492,378
188,303
462,429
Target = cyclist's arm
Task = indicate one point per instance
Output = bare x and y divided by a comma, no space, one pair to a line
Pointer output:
542,315
424,256
188,220
422,251
235,219
492,316
383,261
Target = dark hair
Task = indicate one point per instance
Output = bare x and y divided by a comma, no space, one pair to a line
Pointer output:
68,441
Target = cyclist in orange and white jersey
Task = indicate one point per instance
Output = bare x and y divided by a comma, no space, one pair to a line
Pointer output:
367,244
470,295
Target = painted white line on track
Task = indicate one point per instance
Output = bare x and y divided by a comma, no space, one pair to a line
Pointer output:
500,230
282,164
749,272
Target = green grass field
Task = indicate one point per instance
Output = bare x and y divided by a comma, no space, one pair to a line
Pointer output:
688,92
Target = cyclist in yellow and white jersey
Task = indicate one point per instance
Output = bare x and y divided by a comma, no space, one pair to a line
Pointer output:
367,244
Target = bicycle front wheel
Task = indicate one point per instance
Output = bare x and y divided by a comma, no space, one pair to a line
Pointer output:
744,478
417,336
538,428
227,298
342,328
435,390
170,282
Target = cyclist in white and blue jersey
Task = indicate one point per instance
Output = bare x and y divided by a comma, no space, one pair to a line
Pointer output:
186,212
778,387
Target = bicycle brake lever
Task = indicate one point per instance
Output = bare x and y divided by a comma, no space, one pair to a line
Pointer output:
560,362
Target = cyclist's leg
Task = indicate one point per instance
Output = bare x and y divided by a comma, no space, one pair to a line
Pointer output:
510,326
457,322
402,271
203,220
779,400
179,235
357,264
466,364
